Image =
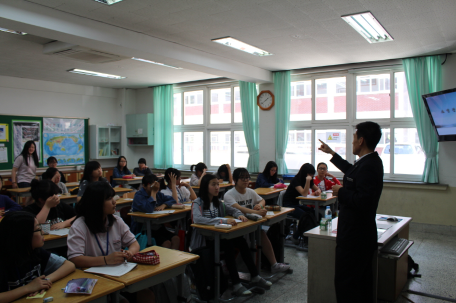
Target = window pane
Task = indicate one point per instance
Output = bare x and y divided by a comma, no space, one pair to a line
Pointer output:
372,96
408,156
336,139
241,153
193,148
299,148
221,105
301,101
177,148
237,105
177,109
220,148
330,100
193,107
402,107
383,150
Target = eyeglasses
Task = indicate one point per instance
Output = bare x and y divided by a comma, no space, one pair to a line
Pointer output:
245,179
322,168
40,229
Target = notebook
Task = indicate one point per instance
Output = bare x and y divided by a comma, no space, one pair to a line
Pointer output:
112,270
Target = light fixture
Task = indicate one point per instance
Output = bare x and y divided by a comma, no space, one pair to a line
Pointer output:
12,31
368,27
108,2
96,74
158,63
234,43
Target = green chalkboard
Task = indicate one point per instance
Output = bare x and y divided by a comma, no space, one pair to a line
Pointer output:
24,128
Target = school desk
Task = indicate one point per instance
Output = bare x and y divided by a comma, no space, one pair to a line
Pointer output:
172,264
120,190
68,199
122,202
239,230
71,185
135,180
100,293
318,201
20,192
54,241
157,219
269,193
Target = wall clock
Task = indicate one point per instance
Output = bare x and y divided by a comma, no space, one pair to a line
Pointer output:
265,100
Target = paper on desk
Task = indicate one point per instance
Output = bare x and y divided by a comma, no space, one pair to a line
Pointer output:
161,212
112,270
128,199
38,296
270,213
60,232
237,220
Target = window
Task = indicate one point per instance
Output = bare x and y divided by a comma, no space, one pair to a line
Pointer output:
301,101
402,103
330,103
299,148
211,131
373,96
336,139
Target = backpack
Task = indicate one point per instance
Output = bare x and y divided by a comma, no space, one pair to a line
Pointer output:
203,274
307,222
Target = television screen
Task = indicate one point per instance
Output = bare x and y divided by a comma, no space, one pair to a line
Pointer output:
441,107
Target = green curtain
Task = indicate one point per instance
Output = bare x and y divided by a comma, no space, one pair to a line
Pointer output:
282,91
424,76
250,123
163,126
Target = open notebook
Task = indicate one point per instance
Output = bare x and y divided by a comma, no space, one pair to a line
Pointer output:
112,270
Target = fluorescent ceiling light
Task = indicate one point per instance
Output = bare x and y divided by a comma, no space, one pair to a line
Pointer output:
108,2
96,74
12,31
368,27
158,63
234,43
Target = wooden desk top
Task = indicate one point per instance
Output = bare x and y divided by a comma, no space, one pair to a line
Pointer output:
283,210
71,184
103,287
119,190
169,259
64,196
19,190
144,215
124,201
53,237
133,179
318,198
264,191
234,228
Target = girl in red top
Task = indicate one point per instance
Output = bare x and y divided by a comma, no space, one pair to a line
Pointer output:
321,179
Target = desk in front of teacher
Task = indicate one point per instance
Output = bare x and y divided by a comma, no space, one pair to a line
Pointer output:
322,256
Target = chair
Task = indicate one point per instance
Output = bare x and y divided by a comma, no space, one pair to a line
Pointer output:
252,184
129,195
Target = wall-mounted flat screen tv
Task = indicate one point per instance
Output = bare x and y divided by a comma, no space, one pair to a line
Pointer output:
441,107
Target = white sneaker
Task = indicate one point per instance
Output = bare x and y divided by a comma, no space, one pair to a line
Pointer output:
279,267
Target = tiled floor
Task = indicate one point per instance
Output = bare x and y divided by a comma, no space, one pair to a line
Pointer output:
435,253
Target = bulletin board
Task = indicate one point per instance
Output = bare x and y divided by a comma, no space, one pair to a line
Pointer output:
66,139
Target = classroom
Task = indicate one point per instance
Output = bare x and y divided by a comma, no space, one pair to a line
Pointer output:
337,80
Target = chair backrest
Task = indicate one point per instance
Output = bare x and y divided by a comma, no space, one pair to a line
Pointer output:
252,185
280,198
129,195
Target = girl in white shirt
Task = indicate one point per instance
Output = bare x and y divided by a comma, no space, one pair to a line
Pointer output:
200,171
182,192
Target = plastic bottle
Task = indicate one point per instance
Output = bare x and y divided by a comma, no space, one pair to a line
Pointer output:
328,216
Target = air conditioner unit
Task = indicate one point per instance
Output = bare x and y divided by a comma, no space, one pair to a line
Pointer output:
79,53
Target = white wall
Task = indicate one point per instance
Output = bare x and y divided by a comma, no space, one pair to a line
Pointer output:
267,130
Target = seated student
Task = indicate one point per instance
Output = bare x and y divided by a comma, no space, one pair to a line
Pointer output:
47,207
92,173
149,199
268,177
54,175
6,204
248,201
182,192
208,209
224,174
200,171
321,180
97,237
121,170
52,162
142,170
26,268
300,185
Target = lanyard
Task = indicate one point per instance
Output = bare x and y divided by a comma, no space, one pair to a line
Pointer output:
181,200
107,244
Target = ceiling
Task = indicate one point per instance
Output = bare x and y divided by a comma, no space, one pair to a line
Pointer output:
300,34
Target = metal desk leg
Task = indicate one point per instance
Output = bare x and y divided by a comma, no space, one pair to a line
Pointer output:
115,297
317,206
217,267
149,233
180,279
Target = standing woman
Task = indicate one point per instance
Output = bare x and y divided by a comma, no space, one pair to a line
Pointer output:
322,181
92,173
121,170
24,167
268,177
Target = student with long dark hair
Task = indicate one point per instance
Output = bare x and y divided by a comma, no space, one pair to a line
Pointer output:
6,204
300,185
24,167
47,207
120,170
98,237
54,175
200,172
208,210
92,173
26,268
224,174
268,177
52,162
180,191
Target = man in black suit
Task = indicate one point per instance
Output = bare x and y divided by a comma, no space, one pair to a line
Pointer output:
357,229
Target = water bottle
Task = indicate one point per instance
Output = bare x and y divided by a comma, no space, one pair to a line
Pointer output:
328,216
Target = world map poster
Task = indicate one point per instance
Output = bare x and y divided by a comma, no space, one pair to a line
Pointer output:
64,140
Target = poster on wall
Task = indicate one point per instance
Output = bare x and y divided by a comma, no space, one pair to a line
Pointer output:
24,131
4,132
64,140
